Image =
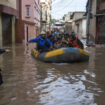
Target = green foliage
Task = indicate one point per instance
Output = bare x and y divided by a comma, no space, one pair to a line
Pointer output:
54,20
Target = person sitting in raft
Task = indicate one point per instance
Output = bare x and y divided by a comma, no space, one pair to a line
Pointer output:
50,37
57,42
43,43
75,42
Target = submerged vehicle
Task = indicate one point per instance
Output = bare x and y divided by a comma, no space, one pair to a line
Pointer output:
62,55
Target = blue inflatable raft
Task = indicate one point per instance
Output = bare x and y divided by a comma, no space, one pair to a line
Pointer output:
62,55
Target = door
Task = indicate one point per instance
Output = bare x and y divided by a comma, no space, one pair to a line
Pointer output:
7,29
101,29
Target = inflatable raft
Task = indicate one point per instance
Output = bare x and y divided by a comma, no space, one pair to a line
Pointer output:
62,55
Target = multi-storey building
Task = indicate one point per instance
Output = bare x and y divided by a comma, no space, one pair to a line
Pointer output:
79,24
29,20
100,22
96,21
45,15
8,13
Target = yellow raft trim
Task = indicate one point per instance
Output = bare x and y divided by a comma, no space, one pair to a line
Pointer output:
35,52
84,52
54,53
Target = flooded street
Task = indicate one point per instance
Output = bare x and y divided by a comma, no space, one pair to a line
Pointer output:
31,82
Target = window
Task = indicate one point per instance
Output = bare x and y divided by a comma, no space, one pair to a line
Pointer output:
27,11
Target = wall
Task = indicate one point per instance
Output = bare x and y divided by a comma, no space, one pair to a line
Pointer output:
67,17
31,4
45,14
19,31
92,28
77,16
32,32
84,21
102,5
31,23
0,31
9,3
34,10
9,8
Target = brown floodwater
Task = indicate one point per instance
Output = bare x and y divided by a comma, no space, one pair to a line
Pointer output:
31,82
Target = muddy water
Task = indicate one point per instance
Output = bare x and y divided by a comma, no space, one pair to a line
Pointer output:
31,82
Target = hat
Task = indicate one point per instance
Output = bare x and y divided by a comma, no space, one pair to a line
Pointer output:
43,33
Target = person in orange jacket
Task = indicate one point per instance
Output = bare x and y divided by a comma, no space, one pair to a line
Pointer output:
75,42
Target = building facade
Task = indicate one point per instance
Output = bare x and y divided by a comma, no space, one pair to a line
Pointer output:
68,22
100,22
79,24
28,20
97,21
8,14
91,22
45,15
67,17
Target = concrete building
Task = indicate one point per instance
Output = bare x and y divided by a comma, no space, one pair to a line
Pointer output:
45,14
92,25
8,14
100,22
28,20
97,21
67,17
79,24
68,22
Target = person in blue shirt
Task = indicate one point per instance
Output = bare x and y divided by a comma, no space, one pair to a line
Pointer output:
43,43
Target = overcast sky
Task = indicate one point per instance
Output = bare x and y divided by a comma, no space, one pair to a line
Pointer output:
61,7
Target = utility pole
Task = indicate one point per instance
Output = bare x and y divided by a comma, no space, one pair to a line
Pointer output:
88,20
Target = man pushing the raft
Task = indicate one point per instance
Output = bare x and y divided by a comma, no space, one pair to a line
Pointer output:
43,43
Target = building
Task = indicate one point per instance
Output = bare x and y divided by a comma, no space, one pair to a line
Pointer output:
45,15
79,24
67,17
96,21
91,20
68,22
100,22
28,22
8,14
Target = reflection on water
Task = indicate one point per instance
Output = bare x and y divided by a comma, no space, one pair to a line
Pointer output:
31,82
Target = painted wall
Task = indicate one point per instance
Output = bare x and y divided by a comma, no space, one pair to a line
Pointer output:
31,23
9,3
79,27
77,15
34,10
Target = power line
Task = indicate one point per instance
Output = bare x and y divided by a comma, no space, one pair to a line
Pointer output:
65,6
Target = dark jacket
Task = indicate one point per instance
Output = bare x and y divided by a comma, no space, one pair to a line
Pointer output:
2,51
